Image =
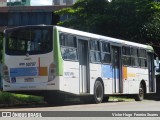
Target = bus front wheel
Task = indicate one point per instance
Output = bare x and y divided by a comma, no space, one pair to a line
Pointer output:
140,95
98,92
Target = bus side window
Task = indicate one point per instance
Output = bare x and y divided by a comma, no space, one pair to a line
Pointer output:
142,58
68,46
95,51
126,58
106,55
69,53
134,57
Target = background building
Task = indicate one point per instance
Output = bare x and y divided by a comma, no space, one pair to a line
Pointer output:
3,3
18,3
63,2
29,15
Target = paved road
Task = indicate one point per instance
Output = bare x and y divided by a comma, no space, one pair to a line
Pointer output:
146,105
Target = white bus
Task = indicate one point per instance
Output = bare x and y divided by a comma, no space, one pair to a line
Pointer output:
57,61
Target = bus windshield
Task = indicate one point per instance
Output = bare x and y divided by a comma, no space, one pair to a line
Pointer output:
30,40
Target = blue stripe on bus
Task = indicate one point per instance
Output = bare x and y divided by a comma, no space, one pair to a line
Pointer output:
19,72
107,71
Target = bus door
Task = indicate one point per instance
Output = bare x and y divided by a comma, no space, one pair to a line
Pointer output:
151,72
83,65
116,63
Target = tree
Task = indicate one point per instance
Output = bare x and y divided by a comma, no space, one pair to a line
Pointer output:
124,19
151,29
84,14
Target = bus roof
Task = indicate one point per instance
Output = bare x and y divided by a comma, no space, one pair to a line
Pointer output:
94,36
100,37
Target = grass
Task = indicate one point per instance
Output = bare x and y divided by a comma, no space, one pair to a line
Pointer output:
11,99
120,98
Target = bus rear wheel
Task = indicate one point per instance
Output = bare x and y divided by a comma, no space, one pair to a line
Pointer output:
140,95
98,92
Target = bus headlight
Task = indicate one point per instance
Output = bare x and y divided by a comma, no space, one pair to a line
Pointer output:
52,72
6,73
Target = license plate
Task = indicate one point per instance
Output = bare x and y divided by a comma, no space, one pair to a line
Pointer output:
29,80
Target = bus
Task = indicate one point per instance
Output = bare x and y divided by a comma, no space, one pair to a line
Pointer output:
57,62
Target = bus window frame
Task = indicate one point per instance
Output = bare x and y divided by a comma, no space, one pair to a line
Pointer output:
108,53
61,46
6,32
142,58
126,56
132,56
95,51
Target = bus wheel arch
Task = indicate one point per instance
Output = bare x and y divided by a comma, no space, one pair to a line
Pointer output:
142,91
98,90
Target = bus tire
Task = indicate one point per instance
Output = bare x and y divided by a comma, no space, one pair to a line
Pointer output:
98,92
140,95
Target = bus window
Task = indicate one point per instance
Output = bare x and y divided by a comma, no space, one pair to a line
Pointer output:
69,53
68,40
134,57
31,41
126,58
142,57
95,51
68,46
106,56
16,45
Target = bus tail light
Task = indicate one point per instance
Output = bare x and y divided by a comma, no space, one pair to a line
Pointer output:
6,73
52,72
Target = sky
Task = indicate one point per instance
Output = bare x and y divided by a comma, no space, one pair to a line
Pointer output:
38,2
41,2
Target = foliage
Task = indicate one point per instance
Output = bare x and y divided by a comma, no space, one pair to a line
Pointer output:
84,14
17,99
27,98
151,29
6,98
134,20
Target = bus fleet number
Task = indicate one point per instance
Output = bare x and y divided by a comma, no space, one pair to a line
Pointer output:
31,64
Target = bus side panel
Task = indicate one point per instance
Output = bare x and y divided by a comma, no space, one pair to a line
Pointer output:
133,80
143,75
134,77
71,77
107,76
95,72
125,86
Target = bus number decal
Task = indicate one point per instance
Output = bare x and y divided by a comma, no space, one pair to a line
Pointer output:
21,64
69,74
31,64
